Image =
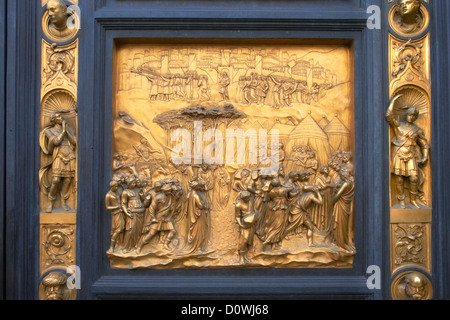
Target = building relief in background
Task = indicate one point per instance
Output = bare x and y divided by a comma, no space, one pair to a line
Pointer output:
242,213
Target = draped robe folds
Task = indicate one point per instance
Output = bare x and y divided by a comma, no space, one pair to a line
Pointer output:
406,147
187,176
238,186
207,177
161,209
63,163
298,211
405,155
118,220
131,199
342,235
222,188
198,221
258,205
321,214
276,216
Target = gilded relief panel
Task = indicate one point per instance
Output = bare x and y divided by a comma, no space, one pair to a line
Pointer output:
408,116
409,62
410,246
57,240
232,154
59,67
58,142
408,18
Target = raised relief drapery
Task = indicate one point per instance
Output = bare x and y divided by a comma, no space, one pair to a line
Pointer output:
232,154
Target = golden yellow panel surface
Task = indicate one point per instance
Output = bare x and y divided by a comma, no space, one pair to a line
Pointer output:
180,198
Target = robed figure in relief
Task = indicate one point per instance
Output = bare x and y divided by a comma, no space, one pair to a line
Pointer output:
409,152
198,210
58,141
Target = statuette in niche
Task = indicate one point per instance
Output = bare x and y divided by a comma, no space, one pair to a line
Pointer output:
410,152
58,141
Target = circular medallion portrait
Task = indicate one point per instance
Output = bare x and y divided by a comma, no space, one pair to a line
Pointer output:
408,18
411,285
60,22
57,285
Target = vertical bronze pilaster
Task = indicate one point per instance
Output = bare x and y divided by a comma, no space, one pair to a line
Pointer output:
59,149
409,118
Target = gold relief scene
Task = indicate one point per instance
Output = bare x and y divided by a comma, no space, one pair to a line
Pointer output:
232,154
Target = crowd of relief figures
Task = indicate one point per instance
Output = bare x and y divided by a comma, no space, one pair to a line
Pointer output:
171,217
240,214
239,75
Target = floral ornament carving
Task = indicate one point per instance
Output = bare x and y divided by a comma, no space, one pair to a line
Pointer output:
408,53
59,67
58,245
60,58
409,244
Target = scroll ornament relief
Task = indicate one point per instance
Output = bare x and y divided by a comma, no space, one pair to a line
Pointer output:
409,244
58,244
408,63
408,53
59,67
